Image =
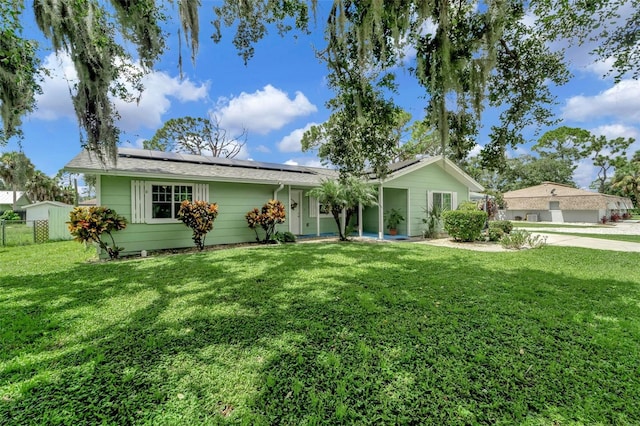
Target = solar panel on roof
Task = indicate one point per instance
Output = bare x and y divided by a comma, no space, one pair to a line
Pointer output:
162,155
199,159
192,158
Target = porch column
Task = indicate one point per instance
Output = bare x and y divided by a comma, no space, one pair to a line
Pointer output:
317,218
359,219
380,212
289,208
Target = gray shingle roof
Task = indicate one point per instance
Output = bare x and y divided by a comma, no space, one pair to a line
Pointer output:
538,198
141,162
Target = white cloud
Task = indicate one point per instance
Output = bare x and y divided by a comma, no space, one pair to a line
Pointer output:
612,131
621,101
475,151
307,162
314,163
55,101
601,68
138,143
584,174
155,100
264,149
291,142
262,111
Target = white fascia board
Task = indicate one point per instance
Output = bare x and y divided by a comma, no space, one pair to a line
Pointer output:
167,176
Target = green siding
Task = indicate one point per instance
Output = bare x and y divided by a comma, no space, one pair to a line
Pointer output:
234,201
414,186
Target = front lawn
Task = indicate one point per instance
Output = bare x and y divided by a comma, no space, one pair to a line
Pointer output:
320,333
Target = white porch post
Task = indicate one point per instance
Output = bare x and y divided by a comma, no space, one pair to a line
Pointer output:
289,208
380,212
409,212
317,218
359,219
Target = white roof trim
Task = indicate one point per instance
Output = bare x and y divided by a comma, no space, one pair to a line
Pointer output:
53,203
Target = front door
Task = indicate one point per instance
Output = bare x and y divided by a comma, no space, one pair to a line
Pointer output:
295,211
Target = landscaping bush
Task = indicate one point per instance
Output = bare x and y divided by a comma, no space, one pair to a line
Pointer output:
495,233
9,215
88,224
464,225
284,237
468,205
520,239
505,225
272,213
199,216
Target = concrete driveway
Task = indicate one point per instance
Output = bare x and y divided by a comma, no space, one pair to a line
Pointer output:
620,228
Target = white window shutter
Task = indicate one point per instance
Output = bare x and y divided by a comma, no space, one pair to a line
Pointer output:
138,204
454,200
313,207
201,192
429,200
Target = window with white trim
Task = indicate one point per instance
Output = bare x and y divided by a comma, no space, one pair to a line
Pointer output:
443,200
159,202
166,199
313,208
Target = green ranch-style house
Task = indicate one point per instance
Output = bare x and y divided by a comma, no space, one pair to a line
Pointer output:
146,187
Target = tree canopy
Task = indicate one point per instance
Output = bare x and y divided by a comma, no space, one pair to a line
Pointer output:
196,135
468,54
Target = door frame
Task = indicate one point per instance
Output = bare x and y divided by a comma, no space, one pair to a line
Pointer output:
295,195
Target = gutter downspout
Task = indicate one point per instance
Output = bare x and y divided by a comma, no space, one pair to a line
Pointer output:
275,193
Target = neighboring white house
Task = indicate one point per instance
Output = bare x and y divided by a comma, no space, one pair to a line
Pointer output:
554,202
6,200
56,213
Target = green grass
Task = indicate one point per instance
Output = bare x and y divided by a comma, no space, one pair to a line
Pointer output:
16,234
320,334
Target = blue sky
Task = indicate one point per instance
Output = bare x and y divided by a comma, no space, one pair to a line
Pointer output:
281,92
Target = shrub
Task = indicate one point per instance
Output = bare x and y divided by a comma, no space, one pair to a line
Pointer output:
615,217
626,215
432,221
468,205
89,224
284,237
272,214
10,215
505,225
495,233
604,219
464,225
199,216
520,238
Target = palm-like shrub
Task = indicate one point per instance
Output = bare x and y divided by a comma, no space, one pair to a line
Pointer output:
199,216
89,224
344,195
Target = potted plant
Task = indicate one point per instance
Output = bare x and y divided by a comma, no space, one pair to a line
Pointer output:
394,217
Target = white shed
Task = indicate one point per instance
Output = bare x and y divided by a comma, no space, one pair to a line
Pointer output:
55,212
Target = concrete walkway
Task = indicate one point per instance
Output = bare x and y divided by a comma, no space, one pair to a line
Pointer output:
586,242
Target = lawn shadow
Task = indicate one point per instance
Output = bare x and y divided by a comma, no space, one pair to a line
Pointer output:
326,333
